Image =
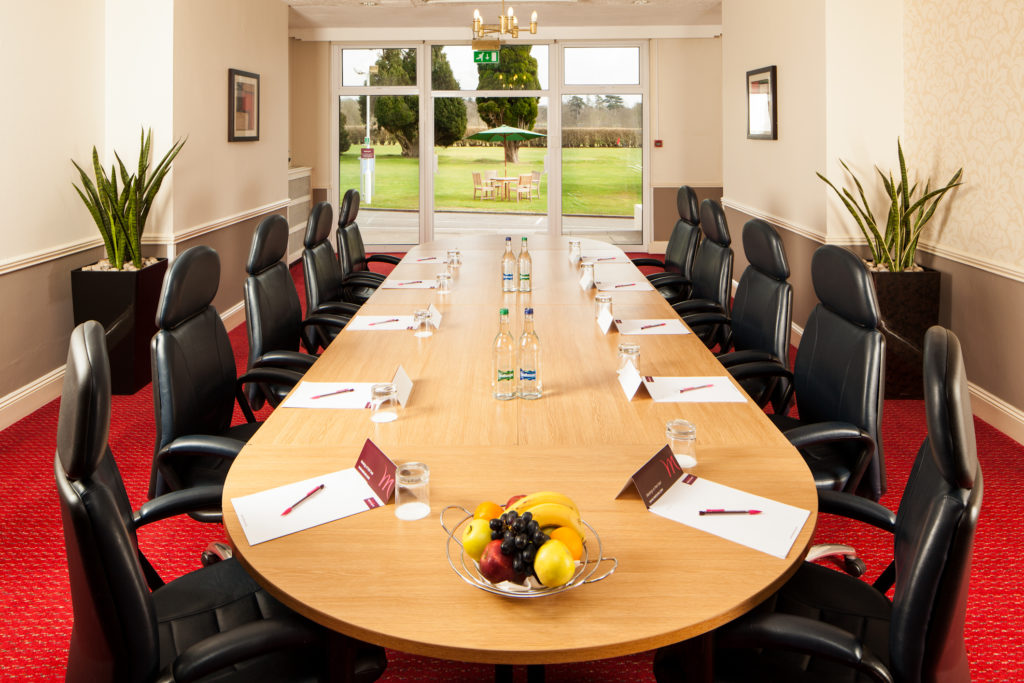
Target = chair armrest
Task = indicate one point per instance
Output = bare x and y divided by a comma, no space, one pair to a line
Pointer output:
745,356
263,375
857,508
654,263
759,369
689,306
669,280
706,318
288,360
238,645
365,278
826,432
177,503
383,258
807,636
339,308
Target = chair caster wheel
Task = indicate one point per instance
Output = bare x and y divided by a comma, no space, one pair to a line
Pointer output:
854,566
215,552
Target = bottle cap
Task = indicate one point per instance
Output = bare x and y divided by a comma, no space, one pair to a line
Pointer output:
527,311
503,311
508,239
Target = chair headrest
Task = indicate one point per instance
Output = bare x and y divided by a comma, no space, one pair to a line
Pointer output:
83,425
947,404
346,202
353,208
686,202
764,250
269,244
318,227
189,286
844,286
713,223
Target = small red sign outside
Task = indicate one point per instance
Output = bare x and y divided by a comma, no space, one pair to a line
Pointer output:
366,153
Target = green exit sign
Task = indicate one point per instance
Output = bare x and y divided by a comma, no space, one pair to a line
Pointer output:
485,57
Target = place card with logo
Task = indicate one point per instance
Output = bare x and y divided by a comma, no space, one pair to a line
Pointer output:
655,477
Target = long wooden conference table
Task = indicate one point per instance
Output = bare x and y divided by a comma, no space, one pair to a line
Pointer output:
386,581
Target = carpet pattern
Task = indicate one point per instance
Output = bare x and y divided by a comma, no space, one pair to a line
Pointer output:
35,604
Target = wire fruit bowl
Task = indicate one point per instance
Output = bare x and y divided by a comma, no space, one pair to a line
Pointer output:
468,571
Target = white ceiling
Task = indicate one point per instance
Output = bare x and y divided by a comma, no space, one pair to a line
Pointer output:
352,14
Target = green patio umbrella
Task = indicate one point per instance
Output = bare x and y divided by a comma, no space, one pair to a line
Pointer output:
504,134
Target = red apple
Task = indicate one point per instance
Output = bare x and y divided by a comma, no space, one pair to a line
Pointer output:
512,500
496,567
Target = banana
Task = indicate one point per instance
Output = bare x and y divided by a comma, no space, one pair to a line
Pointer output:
527,502
557,514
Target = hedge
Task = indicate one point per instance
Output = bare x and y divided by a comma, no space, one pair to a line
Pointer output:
571,137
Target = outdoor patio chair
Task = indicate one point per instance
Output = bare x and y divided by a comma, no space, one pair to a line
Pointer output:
535,185
524,186
484,189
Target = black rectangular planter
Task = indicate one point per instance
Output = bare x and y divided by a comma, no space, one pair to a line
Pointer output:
124,302
909,305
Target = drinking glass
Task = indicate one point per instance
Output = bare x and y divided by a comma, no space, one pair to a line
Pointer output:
629,354
587,276
384,403
412,491
453,259
603,302
574,251
682,439
421,323
443,283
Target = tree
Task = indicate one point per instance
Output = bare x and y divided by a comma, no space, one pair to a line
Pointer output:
576,107
344,141
399,115
516,70
613,102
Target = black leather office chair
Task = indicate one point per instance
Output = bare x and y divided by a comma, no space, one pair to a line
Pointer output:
351,249
214,623
674,281
762,311
327,291
826,626
195,383
711,290
838,378
273,314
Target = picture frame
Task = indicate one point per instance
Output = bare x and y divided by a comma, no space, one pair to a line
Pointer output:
762,104
243,106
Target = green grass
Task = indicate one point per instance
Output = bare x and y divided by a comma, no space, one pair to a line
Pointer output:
595,180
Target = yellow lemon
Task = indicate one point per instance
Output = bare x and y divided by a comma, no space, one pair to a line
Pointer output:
553,564
570,538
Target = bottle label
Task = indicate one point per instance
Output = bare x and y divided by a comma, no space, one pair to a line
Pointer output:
527,375
506,375
524,277
506,276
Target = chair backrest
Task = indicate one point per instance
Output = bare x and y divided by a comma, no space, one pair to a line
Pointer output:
194,371
114,637
935,526
712,266
525,180
685,237
762,309
840,364
320,266
477,180
273,313
353,251
490,175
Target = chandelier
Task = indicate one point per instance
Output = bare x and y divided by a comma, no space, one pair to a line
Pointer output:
508,24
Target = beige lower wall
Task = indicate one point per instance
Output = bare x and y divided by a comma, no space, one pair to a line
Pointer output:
665,212
37,300
979,306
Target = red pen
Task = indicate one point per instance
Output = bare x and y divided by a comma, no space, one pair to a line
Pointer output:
730,512
647,327
628,284
428,258
381,322
334,393
410,282
307,497
702,386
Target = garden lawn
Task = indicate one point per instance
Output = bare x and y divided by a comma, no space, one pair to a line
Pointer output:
596,180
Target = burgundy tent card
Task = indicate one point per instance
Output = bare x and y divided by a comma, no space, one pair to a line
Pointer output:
378,470
655,477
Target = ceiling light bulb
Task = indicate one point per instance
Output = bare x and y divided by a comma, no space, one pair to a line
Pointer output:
533,17
510,13
476,15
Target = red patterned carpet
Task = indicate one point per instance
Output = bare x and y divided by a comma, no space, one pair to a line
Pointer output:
35,605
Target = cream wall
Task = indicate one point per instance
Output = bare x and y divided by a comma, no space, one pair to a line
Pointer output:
216,179
310,107
776,177
54,95
686,112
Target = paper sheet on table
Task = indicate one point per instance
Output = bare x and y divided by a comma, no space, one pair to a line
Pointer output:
605,257
304,393
407,284
380,322
773,531
652,325
345,493
713,390
623,285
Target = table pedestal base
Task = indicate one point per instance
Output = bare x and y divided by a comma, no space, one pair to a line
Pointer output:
503,673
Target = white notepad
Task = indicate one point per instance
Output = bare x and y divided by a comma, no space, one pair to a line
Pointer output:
407,284
717,389
380,322
623,285
651,326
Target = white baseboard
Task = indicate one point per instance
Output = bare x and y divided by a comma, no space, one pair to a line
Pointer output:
34,395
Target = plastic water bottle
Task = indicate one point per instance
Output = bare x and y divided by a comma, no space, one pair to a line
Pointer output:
529,359
525,268
508,268
504,370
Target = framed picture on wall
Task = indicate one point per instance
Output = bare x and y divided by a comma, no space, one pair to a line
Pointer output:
243,106
762,119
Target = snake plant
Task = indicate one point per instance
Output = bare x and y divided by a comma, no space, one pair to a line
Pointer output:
120,211
894,243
